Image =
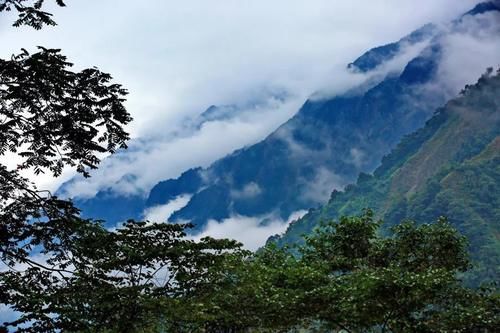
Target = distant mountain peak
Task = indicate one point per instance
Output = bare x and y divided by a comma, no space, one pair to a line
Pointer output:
484,7
379,55
324,146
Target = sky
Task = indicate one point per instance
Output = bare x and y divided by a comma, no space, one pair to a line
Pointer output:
177,58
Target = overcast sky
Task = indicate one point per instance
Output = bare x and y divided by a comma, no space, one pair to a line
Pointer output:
182,56
179,57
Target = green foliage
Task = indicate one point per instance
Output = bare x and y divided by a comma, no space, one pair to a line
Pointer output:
52,117
451,167
350,278
147,277
388,283
119,280
341,246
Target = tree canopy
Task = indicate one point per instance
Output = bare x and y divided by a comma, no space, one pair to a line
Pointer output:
50,118
146,277
30,12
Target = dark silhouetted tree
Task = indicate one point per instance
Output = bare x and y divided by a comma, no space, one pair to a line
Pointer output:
30,12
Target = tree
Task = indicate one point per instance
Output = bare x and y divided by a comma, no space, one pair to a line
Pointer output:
50,118
348,278
136,278
30,12
406,282
258,293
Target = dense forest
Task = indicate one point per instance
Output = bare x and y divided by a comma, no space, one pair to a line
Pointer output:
449,167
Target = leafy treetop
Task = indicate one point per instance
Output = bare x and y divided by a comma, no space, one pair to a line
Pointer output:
30,12
52,117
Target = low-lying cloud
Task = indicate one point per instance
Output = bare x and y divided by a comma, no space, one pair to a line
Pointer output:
320,188
157,158
161,213
468,49
177,58
252,232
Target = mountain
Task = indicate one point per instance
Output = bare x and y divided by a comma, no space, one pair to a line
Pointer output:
484,7
450,167
378,55
122,196
329,141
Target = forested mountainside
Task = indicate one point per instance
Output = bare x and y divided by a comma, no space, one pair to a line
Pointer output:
450,167
324,146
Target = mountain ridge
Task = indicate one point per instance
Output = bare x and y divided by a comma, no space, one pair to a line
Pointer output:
284,169
449,167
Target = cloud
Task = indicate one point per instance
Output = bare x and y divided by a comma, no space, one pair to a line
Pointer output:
159,158
357,157
320,188
250,190
357,83
161,213
177,58
469,48
252,232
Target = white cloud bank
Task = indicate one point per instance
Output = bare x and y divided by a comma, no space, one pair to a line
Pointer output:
163,157
250,231
468,50
161,213
179,57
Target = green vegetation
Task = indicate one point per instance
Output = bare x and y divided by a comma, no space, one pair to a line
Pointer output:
151,278
62,273
450,167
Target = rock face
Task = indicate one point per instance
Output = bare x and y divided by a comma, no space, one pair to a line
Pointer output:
450,167
324,146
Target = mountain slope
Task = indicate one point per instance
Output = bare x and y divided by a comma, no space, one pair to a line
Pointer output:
378,55
450,167
326,142
324,146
